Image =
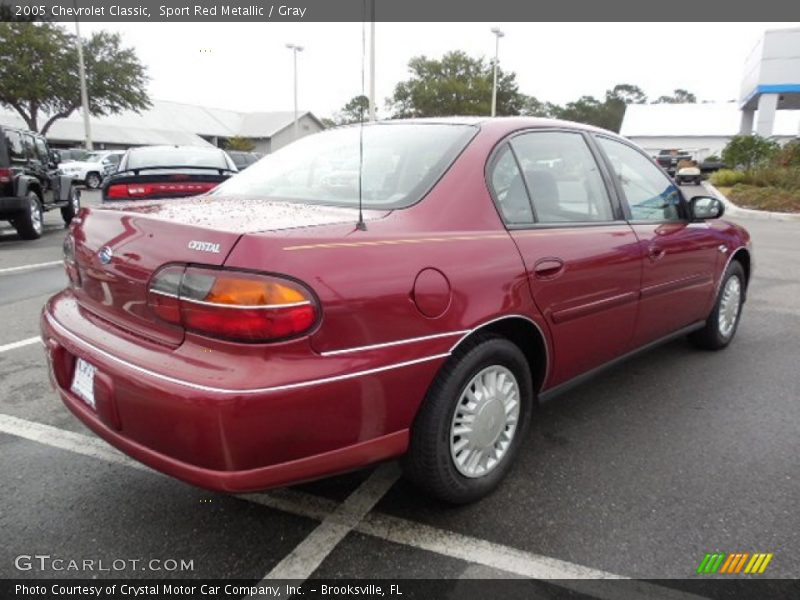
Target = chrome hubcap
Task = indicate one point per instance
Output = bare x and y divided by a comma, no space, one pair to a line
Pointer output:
729,306
485,421
36,217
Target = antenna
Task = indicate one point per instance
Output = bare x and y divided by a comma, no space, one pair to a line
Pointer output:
360,224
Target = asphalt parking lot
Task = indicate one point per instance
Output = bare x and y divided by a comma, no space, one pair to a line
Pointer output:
637,473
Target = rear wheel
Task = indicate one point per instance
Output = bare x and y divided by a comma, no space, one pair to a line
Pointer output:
473,421
71,210
30,224
93,181
721,325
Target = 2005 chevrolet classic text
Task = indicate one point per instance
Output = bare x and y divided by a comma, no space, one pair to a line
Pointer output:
265,334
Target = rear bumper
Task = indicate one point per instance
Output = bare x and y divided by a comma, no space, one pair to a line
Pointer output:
12,205
230,440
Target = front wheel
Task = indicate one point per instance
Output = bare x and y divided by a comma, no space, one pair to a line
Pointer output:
723,321
473,421
30,224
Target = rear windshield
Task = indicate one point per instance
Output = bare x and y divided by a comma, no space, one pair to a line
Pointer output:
401,161
176,157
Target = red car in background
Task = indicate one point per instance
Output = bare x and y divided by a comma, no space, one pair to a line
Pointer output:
264,335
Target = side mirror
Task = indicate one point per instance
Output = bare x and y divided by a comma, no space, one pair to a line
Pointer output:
706,207
55,157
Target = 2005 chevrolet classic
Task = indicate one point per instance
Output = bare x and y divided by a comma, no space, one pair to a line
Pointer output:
267,333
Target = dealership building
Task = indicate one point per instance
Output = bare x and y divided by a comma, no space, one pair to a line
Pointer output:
768,104
176,123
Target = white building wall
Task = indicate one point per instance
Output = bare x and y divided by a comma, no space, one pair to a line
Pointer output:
306,126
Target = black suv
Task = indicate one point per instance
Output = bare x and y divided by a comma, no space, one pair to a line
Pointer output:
31,184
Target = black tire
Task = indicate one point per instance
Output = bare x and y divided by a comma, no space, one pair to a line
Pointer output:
93,180
429,463
711,336
26,224
71,210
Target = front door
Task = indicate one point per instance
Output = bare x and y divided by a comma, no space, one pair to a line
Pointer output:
679,256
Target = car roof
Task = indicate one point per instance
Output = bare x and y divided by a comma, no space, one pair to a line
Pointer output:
497,123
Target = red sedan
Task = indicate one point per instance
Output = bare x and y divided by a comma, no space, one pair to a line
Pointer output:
267,334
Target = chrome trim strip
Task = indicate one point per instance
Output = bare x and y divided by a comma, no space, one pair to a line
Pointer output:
233,392
518,316
725,268
236,306
423,338
165,294
245,306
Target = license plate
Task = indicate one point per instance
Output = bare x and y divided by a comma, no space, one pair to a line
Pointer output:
83,382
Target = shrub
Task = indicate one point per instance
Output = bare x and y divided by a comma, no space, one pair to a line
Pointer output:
789,155
727,178
787,178
748,151
712,158
766,198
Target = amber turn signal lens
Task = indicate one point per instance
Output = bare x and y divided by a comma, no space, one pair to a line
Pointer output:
251,292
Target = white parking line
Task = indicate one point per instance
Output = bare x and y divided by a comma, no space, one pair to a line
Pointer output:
353,515
309,554
19,344
31,266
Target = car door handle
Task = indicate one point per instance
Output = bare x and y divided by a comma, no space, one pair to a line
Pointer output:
548,268
655,253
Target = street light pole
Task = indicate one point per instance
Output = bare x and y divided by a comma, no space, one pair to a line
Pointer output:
87,128
498,34
295,49
372,115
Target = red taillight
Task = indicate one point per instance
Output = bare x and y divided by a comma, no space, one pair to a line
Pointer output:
70,263
232,304
146,190
5,175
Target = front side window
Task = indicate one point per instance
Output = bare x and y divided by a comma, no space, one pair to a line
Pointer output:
563,177
651,196
401,162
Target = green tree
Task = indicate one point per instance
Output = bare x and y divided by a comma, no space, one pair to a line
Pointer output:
627,94
533,107
457,84
748,151
39,74
356,109
606,113
679,96
241,144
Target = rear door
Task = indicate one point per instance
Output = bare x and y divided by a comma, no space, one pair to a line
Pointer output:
581,257
679,256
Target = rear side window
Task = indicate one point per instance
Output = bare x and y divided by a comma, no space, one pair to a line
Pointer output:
30,148
563,177
16,150
651,196
41,150
509,189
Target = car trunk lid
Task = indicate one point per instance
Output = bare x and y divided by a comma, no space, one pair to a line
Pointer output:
119,247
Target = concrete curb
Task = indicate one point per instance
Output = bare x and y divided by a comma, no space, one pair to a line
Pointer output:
736,211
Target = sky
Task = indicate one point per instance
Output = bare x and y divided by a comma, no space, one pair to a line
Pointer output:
247,67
